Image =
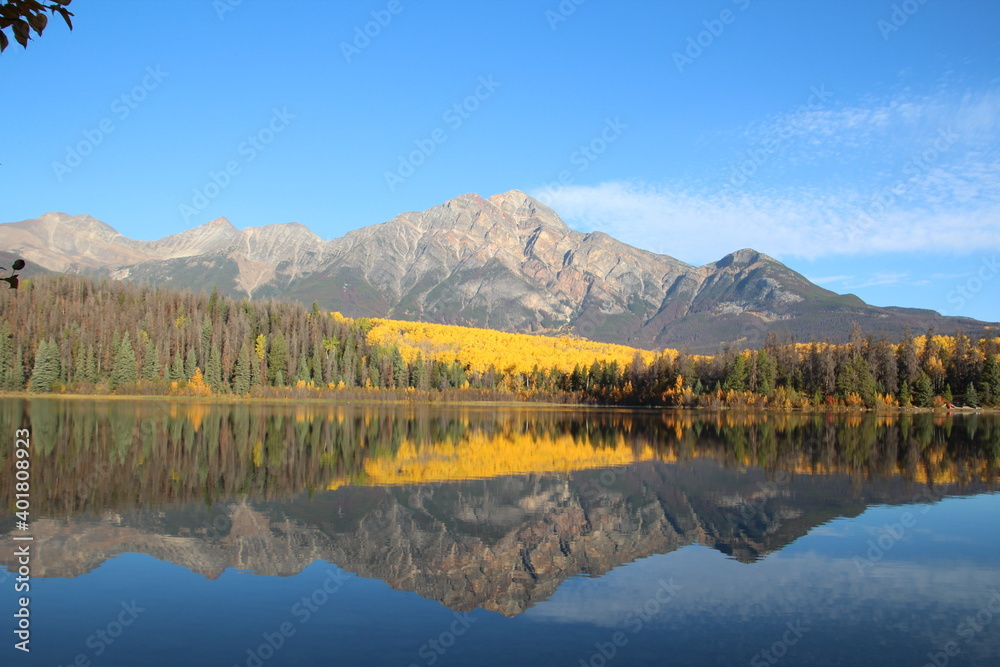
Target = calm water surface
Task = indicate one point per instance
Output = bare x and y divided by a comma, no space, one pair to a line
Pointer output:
203,534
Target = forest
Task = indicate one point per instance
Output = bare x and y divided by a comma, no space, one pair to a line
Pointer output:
76,335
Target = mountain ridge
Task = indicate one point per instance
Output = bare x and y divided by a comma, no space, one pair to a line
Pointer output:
505,262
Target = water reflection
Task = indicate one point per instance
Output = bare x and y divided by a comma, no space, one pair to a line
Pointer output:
468,507
91,457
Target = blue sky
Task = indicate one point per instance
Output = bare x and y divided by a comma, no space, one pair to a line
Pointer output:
855,141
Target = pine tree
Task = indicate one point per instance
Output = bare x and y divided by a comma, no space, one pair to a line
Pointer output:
302,374
905,398
6,345
991,378
190,364
213,370
277,359
206,334
124,369
16,380
45,372
971,396
736,379
765,373
150,362
923,391
242,375
175,369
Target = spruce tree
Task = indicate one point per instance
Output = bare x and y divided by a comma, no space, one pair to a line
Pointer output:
242,375
45,371
277,359
971,396
213,370
991,379
16,378
150,363
124,369
175,372
190,364
905,398
923,391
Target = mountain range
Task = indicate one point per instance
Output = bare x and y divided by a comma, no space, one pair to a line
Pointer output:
506,262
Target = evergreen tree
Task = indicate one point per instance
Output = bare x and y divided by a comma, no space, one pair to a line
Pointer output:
948,396
176,371
15,379
242,375
302,374
908,362
206,334
92,371
277,359
765,373
124,369
971,396
905,397
150,362
45,372
190,364
6,345
923,391
991,379
213,370
736,378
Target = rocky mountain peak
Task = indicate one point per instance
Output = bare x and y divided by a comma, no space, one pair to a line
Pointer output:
77,223
741,258
506,262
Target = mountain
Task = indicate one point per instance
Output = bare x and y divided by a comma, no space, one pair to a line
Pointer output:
507,262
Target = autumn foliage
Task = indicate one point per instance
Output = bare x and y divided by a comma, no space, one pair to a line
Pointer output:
69,334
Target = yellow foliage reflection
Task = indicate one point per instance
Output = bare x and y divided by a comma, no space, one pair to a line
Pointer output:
480,456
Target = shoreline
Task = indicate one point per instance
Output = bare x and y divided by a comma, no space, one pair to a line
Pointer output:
513,403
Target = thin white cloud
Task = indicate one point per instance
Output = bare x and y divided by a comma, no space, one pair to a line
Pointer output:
824,280
701,228
900,175
885,279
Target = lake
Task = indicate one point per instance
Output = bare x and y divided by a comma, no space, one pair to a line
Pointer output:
265,535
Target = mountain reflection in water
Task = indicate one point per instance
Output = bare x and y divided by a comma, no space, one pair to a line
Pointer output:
470,507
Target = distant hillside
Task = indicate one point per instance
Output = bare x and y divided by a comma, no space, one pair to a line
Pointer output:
507,263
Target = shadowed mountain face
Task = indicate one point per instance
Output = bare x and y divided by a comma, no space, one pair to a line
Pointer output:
507,262
273,489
